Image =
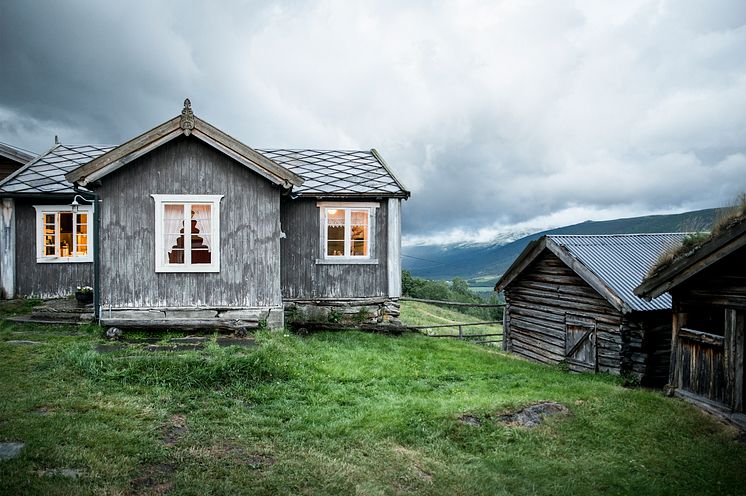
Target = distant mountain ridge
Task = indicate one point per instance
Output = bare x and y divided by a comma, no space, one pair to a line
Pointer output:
480,260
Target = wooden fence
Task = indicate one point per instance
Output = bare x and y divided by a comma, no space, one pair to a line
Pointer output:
483,338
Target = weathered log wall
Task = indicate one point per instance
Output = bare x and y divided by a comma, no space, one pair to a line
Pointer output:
538,302
548,296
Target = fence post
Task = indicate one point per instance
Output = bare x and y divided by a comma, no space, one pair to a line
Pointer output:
460,332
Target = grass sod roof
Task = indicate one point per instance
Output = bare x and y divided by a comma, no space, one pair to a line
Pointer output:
696,253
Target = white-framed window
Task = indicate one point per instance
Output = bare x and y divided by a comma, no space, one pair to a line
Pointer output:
347,232
64,236
187,233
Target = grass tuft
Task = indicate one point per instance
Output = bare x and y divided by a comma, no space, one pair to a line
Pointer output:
212,367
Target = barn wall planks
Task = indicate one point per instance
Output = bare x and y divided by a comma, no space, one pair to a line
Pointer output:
303,278
43,280
249,235
548,298
708,360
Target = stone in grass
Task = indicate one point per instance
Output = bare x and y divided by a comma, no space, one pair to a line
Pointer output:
67,473
533,415
10,450
113,333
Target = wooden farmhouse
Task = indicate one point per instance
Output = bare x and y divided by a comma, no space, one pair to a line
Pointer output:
570,299
186,225
708,287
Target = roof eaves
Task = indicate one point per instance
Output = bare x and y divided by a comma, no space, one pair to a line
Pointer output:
23,168
15,153
113,159
528,255
383,163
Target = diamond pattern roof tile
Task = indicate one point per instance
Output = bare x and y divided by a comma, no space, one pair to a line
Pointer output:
326,172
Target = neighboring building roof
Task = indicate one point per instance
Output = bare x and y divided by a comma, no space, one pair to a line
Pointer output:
722,244
16,154
46,174
612,264
338,172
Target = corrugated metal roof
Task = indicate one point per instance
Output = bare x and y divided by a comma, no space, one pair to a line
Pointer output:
622,261
325,172
46,174
337,172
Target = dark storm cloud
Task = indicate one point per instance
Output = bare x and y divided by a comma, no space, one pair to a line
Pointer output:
494,114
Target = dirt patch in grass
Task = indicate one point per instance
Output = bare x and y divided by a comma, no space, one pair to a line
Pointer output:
154,480
175,429
415,458
239,455
470,419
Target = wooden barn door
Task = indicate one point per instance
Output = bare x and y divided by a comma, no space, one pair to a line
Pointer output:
581,351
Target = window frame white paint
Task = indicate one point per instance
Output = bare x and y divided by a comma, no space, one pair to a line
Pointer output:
348,207
41,210
161,255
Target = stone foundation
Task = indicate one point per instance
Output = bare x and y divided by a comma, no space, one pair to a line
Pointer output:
343,311
249,318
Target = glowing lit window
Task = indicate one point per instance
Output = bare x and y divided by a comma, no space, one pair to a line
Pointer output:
63,235
346,232
187,233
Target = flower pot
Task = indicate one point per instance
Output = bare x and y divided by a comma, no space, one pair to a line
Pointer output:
84,297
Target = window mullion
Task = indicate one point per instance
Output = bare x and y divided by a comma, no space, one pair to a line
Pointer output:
348,232
57,249
75,234
187,236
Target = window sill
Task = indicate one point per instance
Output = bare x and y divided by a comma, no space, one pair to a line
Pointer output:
64,260
187,270
346,261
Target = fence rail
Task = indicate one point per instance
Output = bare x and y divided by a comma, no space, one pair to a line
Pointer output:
460,325
454,303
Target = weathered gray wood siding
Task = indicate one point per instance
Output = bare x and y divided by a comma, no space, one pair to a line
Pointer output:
249,231
43,280
303,278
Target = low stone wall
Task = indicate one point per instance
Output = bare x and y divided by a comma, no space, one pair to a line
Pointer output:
248,318
343,311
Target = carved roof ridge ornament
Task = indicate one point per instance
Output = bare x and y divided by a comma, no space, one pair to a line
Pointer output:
187,118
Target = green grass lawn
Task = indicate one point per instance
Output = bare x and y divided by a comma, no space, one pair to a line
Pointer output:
338,413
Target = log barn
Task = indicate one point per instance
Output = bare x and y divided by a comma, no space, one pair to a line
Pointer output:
569,298
708,289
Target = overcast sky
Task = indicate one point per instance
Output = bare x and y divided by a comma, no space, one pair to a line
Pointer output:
496,114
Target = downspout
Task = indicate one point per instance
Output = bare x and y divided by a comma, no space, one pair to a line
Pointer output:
96,249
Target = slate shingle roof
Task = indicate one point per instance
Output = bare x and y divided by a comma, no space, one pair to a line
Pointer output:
622,261
325,172
46,174
337,172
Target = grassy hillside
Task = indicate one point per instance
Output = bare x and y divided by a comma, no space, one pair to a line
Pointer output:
338,413
434,262
419,314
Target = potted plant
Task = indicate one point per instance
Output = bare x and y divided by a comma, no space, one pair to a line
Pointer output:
84,295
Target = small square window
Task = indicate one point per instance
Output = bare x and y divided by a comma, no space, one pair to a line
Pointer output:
62,235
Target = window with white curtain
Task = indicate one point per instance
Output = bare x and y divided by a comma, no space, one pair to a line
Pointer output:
187,233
